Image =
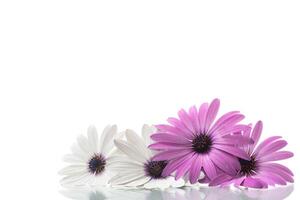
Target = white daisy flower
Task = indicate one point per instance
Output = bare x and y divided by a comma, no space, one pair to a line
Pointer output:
89,161
136,167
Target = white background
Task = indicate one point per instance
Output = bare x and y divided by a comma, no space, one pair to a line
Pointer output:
67,64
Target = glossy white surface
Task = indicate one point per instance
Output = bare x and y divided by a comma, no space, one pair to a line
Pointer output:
179,194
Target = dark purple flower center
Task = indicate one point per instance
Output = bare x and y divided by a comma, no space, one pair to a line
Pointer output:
97,164
154,169
202,143
248,167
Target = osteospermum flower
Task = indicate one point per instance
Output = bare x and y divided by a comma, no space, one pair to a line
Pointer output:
260,171
89,161
136,168
194,142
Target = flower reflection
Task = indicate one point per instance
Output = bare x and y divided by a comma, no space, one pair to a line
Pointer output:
190,193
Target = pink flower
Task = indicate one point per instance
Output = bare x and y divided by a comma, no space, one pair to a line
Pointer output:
260,171
195,143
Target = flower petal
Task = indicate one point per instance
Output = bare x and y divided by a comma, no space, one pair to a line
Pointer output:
252,182
222,178
228,123
167,146
184,168
279,155
173,130
171,154
273,147
174,164
223,119
164,137
106,140
234,140
195,169
211,113
256,133
209,167
130,151
185,118
93,138
146,133
264,143
225,162
202,116
136,141
194,117
233,150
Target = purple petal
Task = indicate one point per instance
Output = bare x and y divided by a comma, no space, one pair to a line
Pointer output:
164,137
233,150
195,169
238,181
266,142
256,133
279,155
180,128
184,117
252,182
166,146
275,146
274,177
220,179
224,161
222,119
174,164
211,113
209,167
202,115
247,133
171,154
278,166
227,125
182,169
172,130
286,176
235,129
234,139
195,120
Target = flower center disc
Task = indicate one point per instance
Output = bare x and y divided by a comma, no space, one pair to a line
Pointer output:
154,169
201,143
97,164
247,166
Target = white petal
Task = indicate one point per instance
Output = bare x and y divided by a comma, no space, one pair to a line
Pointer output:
126,165
118,158
130,151
84,145
93,139
147,132
74,179
123,178
100,180
78,152
106,140
138,182
157,183
134,140
70,158
73,169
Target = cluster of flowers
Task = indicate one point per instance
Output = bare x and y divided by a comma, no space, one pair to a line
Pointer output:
192,149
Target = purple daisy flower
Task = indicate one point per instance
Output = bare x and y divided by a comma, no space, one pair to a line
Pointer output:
195,143
260,171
